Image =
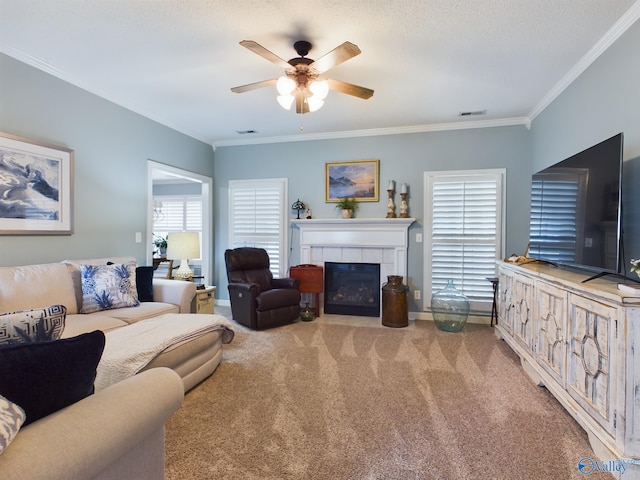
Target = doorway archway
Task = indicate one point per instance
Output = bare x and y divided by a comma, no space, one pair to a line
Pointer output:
159,174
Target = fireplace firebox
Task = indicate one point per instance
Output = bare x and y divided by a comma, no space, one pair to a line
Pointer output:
352,289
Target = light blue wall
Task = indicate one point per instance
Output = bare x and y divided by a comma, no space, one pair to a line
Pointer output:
403,158
602,102
111,145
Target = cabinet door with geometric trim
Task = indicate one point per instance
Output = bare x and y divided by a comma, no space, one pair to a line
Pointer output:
523,330
506,308
592,330
551,327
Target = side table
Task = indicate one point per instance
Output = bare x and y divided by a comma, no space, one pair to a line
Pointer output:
203,302
311,281
494,305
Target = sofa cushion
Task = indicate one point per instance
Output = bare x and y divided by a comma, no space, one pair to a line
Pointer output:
11,419
142,312
45,377
85,323
105,287
36,325
36,286
144,283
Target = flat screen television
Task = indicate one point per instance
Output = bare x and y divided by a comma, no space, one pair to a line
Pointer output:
575,217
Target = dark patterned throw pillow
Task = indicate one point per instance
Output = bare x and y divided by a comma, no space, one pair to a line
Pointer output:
144,283
47,376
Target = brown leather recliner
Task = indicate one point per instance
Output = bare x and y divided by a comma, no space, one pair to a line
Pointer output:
257,299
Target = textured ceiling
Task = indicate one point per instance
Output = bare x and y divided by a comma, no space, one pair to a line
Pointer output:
427,60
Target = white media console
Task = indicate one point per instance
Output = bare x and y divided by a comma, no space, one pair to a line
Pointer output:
582,342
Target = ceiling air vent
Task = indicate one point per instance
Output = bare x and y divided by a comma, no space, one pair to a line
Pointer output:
473,113
246,132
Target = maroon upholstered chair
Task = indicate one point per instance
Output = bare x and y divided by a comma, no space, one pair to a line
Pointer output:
258,300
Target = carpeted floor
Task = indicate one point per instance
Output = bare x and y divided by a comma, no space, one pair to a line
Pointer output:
334,401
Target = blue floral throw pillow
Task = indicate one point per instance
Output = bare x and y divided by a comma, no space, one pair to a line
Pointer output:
105,287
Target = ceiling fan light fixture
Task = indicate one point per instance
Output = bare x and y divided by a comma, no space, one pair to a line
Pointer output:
314,103
301,81
285,86
286,101
320,89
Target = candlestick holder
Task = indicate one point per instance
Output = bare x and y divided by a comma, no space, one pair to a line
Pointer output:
391,207
404,208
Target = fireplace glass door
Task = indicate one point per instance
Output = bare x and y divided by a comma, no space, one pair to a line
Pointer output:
352,289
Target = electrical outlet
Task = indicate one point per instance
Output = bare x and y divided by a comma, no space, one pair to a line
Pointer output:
416,294
418,238
138,237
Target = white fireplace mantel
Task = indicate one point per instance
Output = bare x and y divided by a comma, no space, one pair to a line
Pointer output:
368,240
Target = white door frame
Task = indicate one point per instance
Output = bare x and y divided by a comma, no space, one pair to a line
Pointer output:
207,186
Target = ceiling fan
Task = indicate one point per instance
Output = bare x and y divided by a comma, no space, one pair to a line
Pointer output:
302,82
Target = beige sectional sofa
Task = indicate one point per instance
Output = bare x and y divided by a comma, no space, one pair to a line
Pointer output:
36,286
129,414
117,433
39,286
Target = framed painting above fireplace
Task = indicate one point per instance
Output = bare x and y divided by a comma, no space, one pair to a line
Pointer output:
357,179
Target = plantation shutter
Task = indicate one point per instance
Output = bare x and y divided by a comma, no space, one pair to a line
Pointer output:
257,218
464,233
179,213
556,216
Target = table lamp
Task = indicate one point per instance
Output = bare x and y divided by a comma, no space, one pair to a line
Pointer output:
183,246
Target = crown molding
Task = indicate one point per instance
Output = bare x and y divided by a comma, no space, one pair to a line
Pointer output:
436,127
621,26
615,32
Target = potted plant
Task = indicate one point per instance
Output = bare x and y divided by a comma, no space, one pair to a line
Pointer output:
348,206
161,244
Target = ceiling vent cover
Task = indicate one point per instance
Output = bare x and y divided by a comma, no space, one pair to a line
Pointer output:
472,113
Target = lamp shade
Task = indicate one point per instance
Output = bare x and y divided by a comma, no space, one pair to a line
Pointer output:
183,245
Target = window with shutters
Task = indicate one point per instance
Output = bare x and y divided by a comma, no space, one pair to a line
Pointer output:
557,215
178,213
463,232
257,218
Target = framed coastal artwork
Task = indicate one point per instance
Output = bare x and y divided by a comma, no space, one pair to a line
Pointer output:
356,179
36,188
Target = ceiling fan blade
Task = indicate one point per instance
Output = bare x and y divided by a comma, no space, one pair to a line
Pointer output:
264,53
301,105
349,89
340,54
254,86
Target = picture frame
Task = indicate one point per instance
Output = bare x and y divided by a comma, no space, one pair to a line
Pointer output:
36,187
358,179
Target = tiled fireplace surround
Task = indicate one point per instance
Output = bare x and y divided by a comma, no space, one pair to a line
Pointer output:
357,240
